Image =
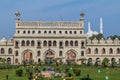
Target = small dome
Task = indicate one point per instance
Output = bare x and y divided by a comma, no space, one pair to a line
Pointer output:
10,40
17,13
3,40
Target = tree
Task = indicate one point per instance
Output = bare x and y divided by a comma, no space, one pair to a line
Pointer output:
82,60
89,63
19,72
98,36
105,62
113,64
2,60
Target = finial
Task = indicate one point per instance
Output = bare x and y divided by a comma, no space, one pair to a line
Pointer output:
17,13
82,16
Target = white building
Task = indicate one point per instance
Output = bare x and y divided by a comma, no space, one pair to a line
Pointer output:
40,40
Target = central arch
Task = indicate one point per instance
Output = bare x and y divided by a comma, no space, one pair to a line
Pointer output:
49,56
71,56
27,56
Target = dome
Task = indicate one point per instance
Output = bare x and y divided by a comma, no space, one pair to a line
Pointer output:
3,40
10,40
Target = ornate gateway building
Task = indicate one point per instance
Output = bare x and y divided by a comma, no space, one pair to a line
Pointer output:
38,41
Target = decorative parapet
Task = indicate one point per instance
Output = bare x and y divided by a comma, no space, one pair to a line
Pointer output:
103,41
113,55
51,24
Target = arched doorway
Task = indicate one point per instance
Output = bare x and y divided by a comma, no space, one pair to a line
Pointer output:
27,57
9,60
49,56
71,56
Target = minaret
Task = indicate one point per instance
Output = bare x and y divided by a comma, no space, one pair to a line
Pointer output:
89,28
101,26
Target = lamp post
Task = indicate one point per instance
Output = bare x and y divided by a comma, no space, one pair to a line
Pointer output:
6,61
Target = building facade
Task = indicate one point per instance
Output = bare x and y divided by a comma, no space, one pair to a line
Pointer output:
40,40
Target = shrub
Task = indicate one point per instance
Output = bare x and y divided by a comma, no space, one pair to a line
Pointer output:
19,72
86,78
77,72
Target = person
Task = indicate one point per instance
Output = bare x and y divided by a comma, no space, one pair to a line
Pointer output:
6,77
106,77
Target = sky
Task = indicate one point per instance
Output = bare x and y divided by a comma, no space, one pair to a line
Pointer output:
65,10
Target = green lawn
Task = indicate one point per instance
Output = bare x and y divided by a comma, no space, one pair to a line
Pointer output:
114,74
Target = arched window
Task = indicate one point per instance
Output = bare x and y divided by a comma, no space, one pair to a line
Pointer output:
39,44
60,32
118,50
23,43
49,43
70,32
24,32
39,32
71,43
60,53
90,60
119,60
2,51
16,44
54,32
39,60
111,51
80,32
65,32
97,59
103,51
28,43
49,32
10,51
82,53
96,51
82,44
45,43
16,53
45,32
75,32
54,43
61,44
28,32
33,32
89,51
9,60
76,43
38,53
66,43
32,43
18,31
16,60
113,60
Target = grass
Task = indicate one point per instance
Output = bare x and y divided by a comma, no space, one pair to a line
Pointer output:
92,71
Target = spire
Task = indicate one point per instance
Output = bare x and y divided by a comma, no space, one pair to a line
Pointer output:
89,28
101,26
